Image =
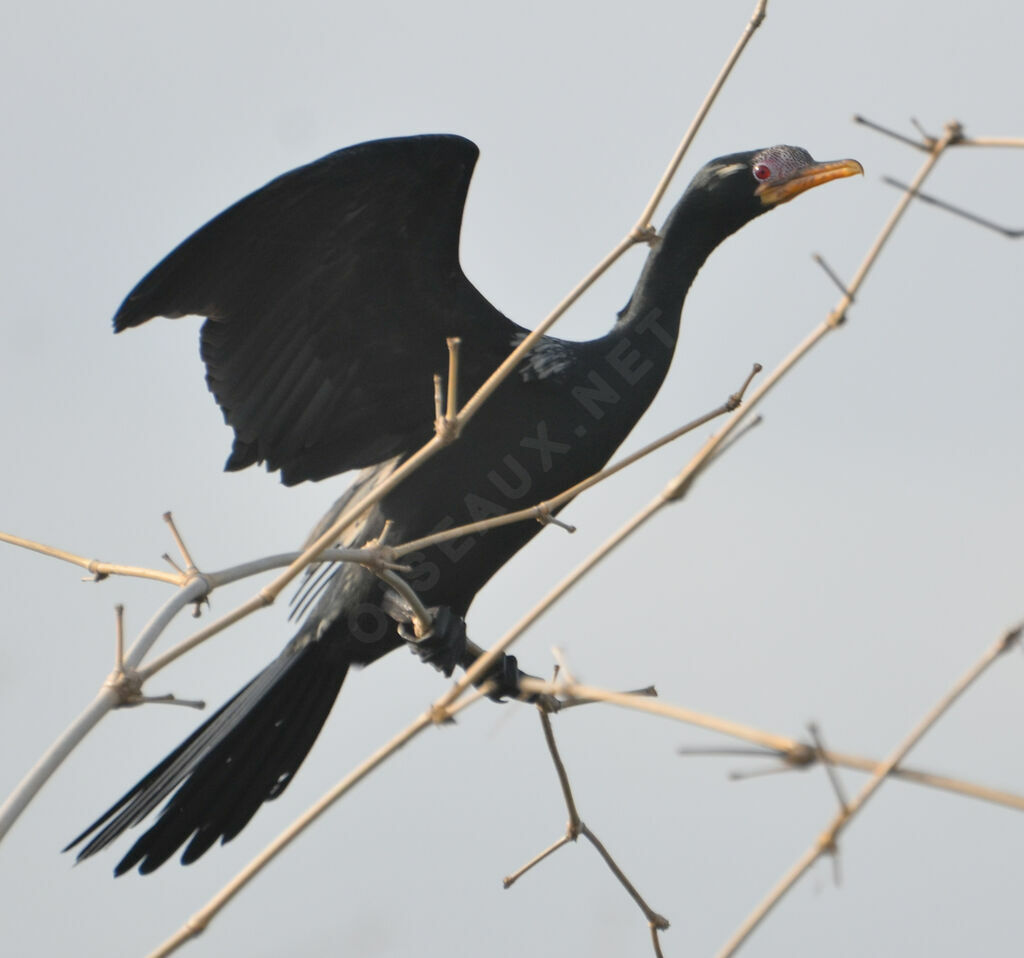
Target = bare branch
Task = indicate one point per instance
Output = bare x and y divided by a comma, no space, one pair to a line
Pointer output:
925,145
792,752
643,224
198,922
1014,141
100,570
831,274
827,839
950,208
577,827
823,758
509,880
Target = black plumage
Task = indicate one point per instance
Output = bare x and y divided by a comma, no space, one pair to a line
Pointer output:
329,295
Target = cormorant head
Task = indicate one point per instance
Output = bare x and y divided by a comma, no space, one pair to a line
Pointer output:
748,184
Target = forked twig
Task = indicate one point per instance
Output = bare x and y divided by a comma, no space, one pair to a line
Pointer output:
577,827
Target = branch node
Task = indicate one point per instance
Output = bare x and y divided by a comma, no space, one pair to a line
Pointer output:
545,518
645,234
94,574
440,715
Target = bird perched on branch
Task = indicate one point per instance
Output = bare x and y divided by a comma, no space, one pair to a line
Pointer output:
329,295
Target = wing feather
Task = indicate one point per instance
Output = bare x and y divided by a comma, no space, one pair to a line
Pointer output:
329,294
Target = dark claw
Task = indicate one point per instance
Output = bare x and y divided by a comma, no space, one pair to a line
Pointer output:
505,676
445,647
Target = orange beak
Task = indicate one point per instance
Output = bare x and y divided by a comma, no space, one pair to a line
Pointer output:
809,177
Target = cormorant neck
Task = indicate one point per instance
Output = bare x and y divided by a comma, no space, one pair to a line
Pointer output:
650,320
692,231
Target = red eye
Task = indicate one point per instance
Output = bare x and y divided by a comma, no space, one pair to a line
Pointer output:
762,171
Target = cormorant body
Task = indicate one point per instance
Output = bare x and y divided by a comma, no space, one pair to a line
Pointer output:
329,295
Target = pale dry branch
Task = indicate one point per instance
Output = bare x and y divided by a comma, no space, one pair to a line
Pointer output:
1012,141
190,566
829,765
792,752
643,225
826,841
577,827
98,570
903,138
1006,231
123,686
199,921
509,880
452,408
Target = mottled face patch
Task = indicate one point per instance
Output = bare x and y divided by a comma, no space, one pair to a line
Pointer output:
779,162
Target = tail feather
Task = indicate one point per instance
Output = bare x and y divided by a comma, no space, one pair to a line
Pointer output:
242,756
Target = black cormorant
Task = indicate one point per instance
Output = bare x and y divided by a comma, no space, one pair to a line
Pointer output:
328,296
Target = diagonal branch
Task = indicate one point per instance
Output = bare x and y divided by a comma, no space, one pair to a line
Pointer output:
794,753
827,839
99,570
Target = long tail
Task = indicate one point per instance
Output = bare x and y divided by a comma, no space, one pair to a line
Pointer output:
241,757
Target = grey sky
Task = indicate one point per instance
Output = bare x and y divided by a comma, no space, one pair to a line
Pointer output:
843,564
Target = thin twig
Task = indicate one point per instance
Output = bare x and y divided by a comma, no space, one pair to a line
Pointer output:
827,839
958,211
1016,141
119,638
190,565
643,224
563,776
509,880
831,274
925,145
830,770
452,407
100,570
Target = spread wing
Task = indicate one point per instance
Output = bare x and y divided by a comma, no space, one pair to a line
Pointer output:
329,293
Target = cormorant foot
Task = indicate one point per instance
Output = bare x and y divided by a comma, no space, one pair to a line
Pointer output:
505,675
445,646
